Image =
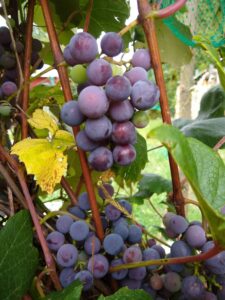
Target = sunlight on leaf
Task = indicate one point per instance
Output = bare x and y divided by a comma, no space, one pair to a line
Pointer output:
44,120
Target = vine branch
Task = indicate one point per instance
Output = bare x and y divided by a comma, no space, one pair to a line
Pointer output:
88,15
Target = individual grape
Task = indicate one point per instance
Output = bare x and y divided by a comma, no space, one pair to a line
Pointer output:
119,221
122,230
118,88
172,282
121,274
124,133
78,74
141,58
71,114
70,60
8,88
63,223
137,273
210,296
98,129
111,44
195,236
36,60
131,283
76,211
151,242
67,255
192,287
125,204
84,143
79,230
144,94
170,233
156,282
83,201
92,245
215,264
121,111
101,159
93,102
99,71
82,86
124,155
180,249
160,250
11,74
112,213
132,254
167,217
104,222
36,45
19,47
5,37
151,254
86,279
66,276
140,119
178,224
109,188
135,234
113,244
177,268
55,240
195,223
98,265
136,74
7,60
83,47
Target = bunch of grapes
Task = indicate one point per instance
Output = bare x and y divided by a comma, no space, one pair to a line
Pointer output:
81,255
110,106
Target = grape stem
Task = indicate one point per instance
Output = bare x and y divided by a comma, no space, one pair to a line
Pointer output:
65,184
88,15
167,261
219,144
154,208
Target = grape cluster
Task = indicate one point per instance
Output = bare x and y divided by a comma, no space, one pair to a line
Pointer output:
81,255
110,106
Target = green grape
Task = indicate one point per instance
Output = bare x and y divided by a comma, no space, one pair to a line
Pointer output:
78,74
140,119
5,110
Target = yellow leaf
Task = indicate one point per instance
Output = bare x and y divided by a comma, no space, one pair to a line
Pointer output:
63,140
45,162
44,120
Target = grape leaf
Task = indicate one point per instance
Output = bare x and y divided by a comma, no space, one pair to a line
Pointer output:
72,292
205,172
126,294
44,120
18,257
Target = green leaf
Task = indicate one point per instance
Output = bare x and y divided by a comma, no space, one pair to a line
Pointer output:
18,257
132,172
126,294
72,292
154,184
205,172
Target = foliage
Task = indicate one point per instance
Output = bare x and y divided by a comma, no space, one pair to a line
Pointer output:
72,292
125,294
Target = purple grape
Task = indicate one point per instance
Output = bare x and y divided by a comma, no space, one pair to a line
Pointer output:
104,222
195,223
119,221
76,211
210,296
36,45
132,254
136,74
124,133
118,88
131,283
216,263
144,94
11,74
177,224
137,273
141,58
84,143
82,86
172,282
124,155
36,60
113,243
98,265
121,111
109,188
5,37
83,201
93,102
2,50
83,47
140,119
156,282
99,71
101,159
67,255
8,88
195,236
63,223
167,217
170,233
160,250
66,276
55,240
148,290
71,114
92,245
125,204
192,287
79,230
70,60
151,254
7,61
122,230
98,129
135,234
19,47
111,44
121,274
180,249
151,242
86,279
112,213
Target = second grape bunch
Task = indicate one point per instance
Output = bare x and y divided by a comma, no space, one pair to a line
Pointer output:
109,106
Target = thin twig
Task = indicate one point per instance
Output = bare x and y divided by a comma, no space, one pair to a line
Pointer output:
65,184
219,144
88,15
154,208
10,198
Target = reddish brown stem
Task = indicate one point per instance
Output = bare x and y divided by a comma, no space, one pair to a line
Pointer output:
47,254
64,79
150,33
170,10
65,184
27,63
88,15
219,144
